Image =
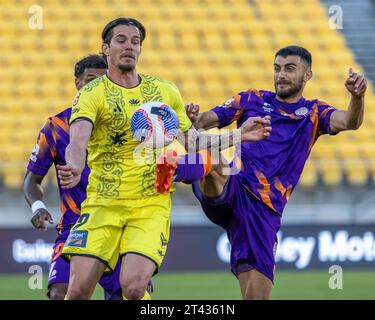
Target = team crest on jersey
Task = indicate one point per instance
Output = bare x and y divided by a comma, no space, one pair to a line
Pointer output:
267,107
76,99
301,111
228,102
34,153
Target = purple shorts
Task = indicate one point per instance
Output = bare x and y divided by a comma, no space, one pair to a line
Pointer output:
59,271
250,224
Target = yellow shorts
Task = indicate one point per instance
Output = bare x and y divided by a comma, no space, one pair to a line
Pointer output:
118,227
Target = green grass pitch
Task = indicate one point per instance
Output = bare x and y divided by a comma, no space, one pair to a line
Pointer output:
223,285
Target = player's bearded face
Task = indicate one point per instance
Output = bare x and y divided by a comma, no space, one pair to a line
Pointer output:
125,47
288,88
289,74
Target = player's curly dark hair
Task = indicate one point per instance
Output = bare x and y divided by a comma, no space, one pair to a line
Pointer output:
296,51
107,33
91,61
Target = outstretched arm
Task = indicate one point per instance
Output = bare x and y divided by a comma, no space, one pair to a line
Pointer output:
75,154
352,118
253,129
202,121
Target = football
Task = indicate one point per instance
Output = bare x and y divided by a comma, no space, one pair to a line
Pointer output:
155,124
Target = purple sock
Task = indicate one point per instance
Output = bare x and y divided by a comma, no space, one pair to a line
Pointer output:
190,168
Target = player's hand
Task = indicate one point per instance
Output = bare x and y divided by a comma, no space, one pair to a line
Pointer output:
39,218
256,128
192,111
356,84
69,176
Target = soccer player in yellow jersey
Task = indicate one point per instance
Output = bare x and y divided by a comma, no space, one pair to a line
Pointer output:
122,214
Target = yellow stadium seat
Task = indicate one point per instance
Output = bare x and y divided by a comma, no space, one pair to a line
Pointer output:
13,154
13,177
4,136
368,150
323,150
190,42
356,172
346,150
195,13
260,43
331,172
370,118
309,177
363,135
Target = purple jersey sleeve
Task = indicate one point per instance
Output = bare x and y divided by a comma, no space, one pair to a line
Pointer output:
44,151
324,112
232,109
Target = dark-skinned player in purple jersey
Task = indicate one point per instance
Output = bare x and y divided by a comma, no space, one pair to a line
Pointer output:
249,204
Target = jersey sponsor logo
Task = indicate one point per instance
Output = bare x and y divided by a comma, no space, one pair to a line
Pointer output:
301,111
77,238
267,107
34,153
134,102
76,99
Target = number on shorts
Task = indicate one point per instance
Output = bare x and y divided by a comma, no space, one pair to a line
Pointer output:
81,221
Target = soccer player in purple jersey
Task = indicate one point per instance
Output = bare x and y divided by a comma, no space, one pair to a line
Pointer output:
249,205
50,149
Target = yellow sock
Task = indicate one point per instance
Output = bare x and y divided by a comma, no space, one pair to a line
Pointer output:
66,297
147,296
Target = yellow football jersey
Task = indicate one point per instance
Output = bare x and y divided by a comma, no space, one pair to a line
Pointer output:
116,173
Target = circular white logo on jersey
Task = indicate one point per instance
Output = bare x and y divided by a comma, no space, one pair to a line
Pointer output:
228,102
301,111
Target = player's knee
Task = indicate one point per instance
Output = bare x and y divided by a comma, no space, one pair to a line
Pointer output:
134,293
79,293
256,295
134,289
57,294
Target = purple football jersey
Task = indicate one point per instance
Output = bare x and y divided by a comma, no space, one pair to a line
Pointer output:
52,141
271,168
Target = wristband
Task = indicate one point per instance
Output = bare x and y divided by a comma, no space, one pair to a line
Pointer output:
37,205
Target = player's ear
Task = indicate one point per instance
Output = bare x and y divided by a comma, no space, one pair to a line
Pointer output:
105,48
308,75
76,81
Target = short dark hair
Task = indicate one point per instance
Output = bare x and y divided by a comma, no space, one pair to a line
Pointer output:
107,33
91,61
296,51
